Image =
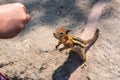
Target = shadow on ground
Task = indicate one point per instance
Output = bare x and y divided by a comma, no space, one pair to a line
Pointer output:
55,10
70,65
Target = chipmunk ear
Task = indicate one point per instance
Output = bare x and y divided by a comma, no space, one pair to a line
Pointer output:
67,31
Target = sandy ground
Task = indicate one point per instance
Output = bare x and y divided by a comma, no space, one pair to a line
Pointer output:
32,56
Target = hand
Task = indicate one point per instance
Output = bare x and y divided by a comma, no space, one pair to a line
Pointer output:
13,18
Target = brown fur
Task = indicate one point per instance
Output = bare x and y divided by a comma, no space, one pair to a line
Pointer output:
72,43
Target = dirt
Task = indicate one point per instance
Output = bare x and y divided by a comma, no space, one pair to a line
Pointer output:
31,55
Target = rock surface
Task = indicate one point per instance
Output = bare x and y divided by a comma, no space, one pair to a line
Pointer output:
32,56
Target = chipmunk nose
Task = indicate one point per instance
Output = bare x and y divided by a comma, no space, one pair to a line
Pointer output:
54,34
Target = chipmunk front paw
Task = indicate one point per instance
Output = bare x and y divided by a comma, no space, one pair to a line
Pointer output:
56,47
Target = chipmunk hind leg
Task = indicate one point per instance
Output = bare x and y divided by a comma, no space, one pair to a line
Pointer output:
83,54
81,51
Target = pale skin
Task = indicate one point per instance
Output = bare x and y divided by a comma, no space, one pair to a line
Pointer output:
13,18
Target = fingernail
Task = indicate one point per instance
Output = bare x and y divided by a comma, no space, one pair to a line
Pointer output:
27,19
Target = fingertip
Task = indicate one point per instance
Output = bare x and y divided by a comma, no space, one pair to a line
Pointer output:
27,18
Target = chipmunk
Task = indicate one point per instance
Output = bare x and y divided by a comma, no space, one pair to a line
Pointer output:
71,43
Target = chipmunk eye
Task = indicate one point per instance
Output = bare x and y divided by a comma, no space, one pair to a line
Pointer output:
61,33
